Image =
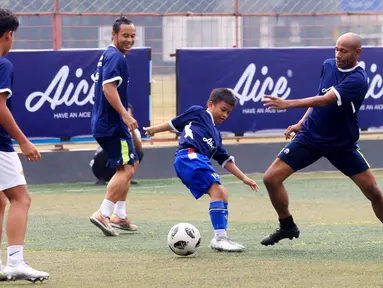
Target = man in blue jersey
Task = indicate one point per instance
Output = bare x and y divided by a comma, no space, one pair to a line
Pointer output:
328,129
111,124
12,181
201,140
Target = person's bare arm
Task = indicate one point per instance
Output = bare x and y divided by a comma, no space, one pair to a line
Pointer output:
9,124
305,116
111,94
273,102
234,170
158,128
294,129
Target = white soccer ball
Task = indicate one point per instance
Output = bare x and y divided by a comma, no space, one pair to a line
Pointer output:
184,239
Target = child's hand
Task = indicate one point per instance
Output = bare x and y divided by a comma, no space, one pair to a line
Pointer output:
149,131
250,182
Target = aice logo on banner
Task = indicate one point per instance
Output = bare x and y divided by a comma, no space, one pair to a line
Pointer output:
268,86
277,87
66,93
375,89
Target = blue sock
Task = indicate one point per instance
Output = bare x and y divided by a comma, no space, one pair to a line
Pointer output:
217,215
225,204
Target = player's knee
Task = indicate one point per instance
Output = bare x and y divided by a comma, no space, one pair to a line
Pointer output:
373,193
128,172
225,194
3,202
269,179
19,196
27,200
218,193
24,200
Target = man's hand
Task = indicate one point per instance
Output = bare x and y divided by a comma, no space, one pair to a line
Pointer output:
30,151
250,182
129,121
292,130
272,102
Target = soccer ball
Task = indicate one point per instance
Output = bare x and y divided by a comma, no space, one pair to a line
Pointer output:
184,239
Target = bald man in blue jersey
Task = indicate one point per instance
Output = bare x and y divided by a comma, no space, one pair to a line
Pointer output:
329,129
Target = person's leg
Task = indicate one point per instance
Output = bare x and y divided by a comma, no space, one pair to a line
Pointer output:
198,175
293,157
17,268
351,162
367,184
3,204
218,211
13,185
273,179
116,189
119,218
20,202
118,156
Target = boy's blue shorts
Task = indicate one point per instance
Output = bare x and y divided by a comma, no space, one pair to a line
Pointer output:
195,171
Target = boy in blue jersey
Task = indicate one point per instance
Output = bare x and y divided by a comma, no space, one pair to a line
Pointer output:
328,129
12,181
201,140
111,124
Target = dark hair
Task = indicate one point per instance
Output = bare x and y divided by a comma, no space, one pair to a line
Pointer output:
223,94
8,21
119,21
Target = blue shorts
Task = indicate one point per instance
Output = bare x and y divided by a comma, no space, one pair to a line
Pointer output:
300,153
120,151
195,171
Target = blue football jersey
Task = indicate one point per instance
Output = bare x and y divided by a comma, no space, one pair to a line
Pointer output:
198,131
111,67
337,124
6,81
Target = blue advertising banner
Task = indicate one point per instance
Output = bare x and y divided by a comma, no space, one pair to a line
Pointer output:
53,93
252,73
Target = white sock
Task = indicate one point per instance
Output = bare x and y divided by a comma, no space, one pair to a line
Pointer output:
15,255
106,208
120,209
220,233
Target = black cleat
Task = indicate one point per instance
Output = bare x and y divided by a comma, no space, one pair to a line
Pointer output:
280,234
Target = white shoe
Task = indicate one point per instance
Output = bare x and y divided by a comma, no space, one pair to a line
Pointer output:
3,277
24,272
239,245
224,244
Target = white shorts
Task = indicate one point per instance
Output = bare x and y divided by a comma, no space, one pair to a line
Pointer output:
11,171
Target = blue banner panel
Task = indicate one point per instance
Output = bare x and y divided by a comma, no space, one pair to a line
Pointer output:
252,73
53,92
